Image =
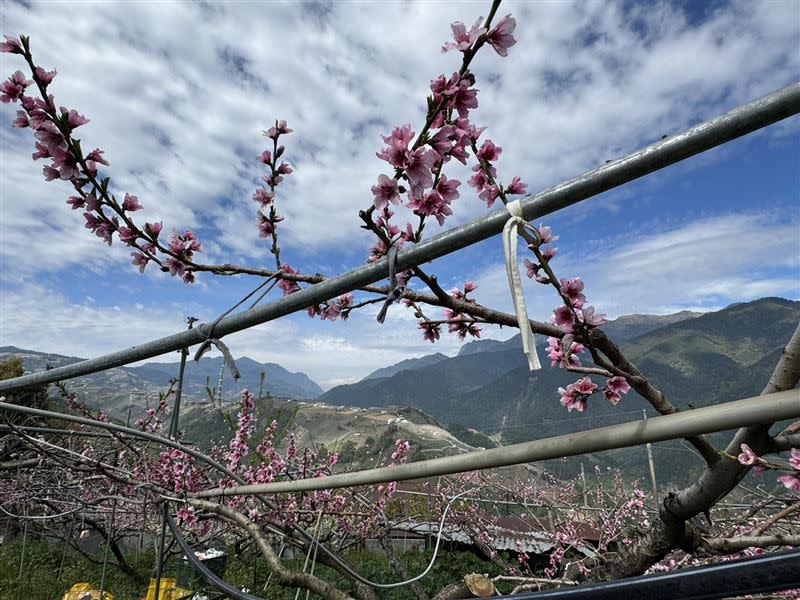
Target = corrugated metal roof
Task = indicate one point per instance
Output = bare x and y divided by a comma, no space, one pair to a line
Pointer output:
532,542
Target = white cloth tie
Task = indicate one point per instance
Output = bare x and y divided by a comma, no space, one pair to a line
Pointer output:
513,227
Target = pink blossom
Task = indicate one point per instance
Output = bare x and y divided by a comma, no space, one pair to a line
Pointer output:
431,331
441,142
558,356
76,202
489,152
66,161
463,128
470,286
284,169
465,98
131,203
345,300
272,180
575,395
442,87
532,267
517,187
266,227
448,188
186,516
126,235
747,457
21,120
563,318
50,173
612,396
459,150
45,77
618,384
479,181
545,235
430,204
50,137
397,146
590,319
140,260
500,37
13,89
385,191
73,119
184,244
549,253
791,482
154,229
463,39
41,152
96,155
795,459
489,195
418,169
585,386
288,287
573,290
571,402
263,196
38,118
377,252
11,45
265,157
280,129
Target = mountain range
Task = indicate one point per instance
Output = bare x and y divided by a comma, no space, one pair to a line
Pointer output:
485,395
695,359
120,389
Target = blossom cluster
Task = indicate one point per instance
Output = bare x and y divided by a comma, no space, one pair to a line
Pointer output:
332,310
448,134
265,196
105,216
790,481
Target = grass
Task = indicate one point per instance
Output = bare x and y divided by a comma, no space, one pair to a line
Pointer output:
44,578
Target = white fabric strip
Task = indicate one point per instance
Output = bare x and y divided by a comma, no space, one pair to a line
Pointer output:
512,228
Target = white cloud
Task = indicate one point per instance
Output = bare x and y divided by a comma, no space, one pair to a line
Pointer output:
181,120
702,265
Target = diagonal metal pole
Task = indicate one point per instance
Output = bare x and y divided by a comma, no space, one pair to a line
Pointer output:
745,119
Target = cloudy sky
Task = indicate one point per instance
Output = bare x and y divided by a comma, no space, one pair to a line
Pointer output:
178,94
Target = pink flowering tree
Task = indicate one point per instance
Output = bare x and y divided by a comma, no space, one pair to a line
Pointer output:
416,180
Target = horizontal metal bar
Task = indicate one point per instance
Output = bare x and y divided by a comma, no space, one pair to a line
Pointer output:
750,117
752,575
730,415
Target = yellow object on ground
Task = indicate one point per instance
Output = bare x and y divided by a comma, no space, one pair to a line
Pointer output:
86,591
166,591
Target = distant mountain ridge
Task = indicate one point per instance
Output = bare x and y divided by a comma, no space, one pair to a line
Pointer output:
460,375
694,359
127,388
407,365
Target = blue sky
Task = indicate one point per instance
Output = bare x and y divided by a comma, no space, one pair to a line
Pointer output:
178,95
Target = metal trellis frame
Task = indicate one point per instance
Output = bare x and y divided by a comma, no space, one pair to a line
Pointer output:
745,119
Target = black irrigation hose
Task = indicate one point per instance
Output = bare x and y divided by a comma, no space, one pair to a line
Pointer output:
762,574
207,574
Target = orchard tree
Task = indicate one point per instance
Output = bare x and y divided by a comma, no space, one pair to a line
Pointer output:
415,180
